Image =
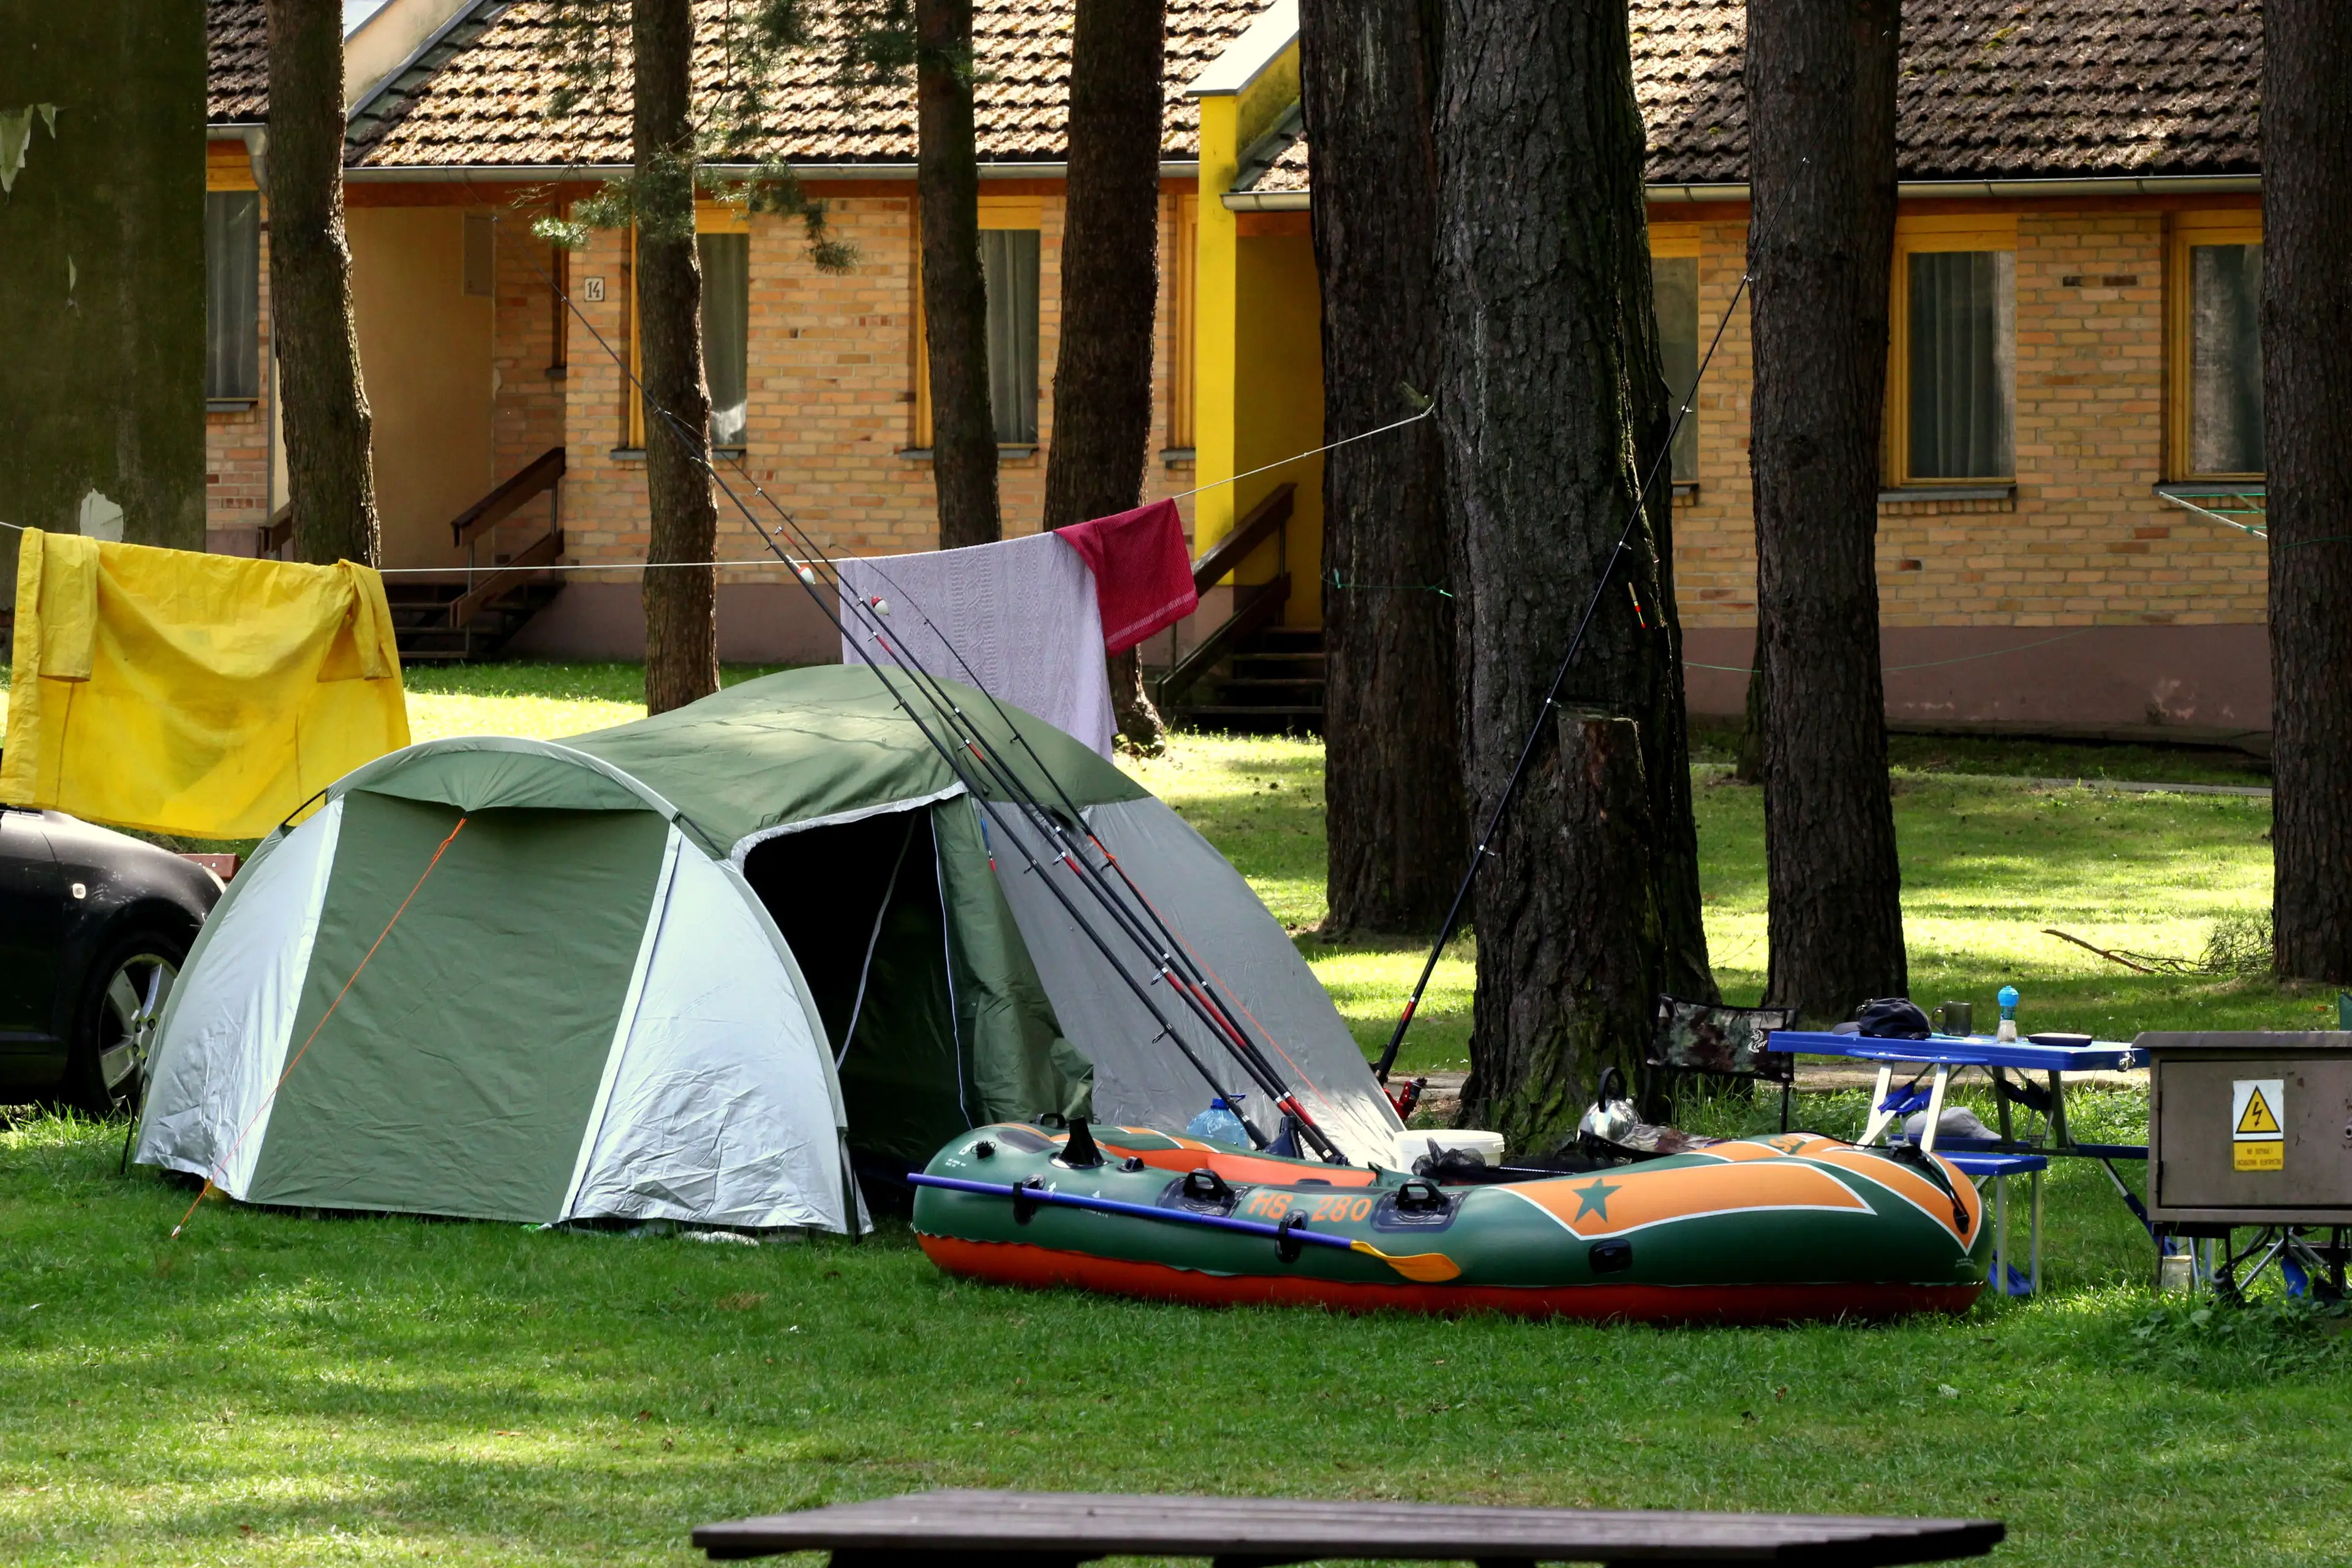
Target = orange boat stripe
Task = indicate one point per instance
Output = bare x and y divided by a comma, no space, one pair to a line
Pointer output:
1911,1186
1613,1201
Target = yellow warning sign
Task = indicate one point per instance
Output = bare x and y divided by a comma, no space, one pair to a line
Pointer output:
2257,1124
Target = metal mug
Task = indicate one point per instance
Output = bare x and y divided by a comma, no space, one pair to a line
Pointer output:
1957,1018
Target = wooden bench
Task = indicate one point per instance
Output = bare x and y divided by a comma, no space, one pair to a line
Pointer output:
1056,1530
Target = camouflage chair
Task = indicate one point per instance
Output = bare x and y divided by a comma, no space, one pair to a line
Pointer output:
1725,1042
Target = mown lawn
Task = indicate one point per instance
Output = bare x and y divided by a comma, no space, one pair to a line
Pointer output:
277,1389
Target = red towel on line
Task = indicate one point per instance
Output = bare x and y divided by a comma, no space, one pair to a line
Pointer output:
1143,572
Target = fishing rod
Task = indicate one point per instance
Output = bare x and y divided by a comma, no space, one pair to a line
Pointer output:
1195,995
1551,698
1178,965
1197,998
948,754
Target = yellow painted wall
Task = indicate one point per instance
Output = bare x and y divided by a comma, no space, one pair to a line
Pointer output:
1257,350
425,353
1278,404
1215,258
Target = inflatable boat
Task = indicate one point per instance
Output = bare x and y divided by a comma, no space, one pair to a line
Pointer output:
1773,1229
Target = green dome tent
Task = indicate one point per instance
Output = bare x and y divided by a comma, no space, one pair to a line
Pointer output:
683,968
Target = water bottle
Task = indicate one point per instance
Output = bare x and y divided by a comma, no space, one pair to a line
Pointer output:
1219,1124
2007,1034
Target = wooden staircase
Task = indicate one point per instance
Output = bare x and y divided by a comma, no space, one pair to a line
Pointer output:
468,612
1252,674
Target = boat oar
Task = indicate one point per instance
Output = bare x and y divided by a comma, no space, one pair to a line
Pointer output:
1421,1267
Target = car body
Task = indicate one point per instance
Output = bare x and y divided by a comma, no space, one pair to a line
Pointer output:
94,926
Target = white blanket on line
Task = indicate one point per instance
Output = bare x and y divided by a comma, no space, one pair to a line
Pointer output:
1021,613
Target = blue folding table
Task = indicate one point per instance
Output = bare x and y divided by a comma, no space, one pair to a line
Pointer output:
2002,1157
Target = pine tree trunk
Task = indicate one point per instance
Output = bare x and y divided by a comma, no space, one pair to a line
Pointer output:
1391,768
330,474
955,295
1111,290
2307,421
1820,119
680,602
1552,406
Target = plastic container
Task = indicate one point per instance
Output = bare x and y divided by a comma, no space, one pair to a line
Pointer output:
2007,1034
1414,1144
1219,1124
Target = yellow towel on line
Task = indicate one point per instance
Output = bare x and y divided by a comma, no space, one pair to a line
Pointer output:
202,695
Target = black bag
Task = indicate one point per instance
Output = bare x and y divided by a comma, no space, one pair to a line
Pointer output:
1892,1018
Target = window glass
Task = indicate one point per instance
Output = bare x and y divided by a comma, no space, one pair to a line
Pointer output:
1962,324
232,294
1008,261
1673,288
2225,366
726,334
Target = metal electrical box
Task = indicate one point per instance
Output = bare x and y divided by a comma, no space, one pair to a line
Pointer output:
2249,1129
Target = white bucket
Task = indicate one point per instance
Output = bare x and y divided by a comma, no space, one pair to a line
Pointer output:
1414,1144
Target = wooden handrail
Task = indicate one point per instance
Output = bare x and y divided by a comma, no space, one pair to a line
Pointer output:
537,553
276,530
1262,608
536,478
1249,533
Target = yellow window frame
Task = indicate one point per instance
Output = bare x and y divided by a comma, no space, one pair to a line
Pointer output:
2182,233
1183,282
995,212
710,218
1916,235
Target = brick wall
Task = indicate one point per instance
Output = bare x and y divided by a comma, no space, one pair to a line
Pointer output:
2084,541
832,395
527,372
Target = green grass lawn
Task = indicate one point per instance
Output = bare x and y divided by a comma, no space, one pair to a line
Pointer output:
272,1388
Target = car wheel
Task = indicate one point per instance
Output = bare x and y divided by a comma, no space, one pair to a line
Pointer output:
121,1016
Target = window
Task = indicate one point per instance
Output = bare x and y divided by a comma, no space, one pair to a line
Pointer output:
726,334
723,247
2216,331
232,295
1674,296
1952,377
1009,263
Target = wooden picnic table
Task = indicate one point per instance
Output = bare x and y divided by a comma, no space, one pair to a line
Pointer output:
1050,1530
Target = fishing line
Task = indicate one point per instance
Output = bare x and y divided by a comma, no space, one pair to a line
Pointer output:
1551,697
866,613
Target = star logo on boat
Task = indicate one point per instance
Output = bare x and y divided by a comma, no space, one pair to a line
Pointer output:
1594,1200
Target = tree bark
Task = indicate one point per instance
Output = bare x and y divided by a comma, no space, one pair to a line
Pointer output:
680,602
2307,421
1392,767
1820,119
1552,406
1111,290
330,474
955,295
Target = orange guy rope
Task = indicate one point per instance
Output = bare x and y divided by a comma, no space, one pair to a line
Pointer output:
223,1163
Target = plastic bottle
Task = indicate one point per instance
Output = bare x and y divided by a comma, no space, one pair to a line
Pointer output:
2007,1034
1219,1124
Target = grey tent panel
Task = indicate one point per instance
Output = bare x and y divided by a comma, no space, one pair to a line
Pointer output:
1138,1078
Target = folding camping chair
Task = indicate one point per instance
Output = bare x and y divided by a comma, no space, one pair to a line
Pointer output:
1721,1042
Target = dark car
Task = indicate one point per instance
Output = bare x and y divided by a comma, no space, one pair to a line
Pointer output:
94,926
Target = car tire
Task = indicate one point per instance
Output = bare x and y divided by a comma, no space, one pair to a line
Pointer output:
122,1011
